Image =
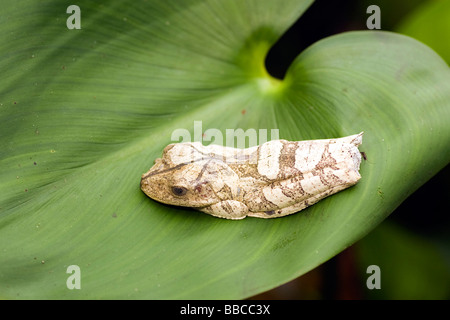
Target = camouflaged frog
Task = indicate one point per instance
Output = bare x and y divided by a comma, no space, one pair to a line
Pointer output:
272,180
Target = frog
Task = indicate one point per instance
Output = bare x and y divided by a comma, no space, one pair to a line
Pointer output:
271,180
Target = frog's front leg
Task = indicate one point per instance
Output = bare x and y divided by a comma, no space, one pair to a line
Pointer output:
228,209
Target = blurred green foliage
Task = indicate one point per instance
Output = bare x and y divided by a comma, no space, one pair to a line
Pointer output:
412,267
430,23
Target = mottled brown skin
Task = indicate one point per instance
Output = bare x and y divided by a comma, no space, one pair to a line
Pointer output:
271,180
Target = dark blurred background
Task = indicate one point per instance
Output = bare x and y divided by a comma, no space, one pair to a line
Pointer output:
412,246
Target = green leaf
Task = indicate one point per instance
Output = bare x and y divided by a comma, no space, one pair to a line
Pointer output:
85,112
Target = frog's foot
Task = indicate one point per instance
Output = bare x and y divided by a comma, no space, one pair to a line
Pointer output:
228,209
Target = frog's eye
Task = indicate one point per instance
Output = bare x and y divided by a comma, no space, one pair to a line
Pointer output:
179,191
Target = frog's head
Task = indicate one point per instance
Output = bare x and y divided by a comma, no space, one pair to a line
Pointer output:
184,176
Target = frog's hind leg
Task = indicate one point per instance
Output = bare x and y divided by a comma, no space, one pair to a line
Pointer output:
296,207
228,209
281,212
284,211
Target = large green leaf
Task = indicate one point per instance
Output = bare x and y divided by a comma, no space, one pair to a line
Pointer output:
85,112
